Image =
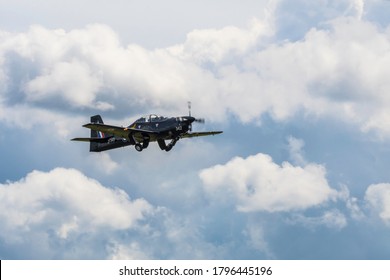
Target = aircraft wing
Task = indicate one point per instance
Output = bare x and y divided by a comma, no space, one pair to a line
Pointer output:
109,129
118,131
198,134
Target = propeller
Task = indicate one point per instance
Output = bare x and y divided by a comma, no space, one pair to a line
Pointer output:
200,120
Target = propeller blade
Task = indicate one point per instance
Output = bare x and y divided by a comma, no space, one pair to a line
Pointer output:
201,120
189,108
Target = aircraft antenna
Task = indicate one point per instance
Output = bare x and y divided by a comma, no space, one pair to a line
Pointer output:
189,108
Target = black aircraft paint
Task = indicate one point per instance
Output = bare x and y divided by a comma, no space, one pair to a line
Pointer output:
147,129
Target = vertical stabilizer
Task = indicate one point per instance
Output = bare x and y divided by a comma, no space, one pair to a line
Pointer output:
102,141
94,146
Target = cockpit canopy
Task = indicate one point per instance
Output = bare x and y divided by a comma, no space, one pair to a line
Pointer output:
151,118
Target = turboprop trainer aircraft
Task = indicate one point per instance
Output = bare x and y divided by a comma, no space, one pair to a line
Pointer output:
152,128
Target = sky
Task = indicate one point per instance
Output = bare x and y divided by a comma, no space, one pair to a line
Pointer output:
300,88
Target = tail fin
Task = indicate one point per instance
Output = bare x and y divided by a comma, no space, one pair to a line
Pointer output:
100,141
95,146
94,133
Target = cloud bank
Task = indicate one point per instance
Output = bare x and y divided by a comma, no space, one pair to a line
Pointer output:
66,202
318,71
339,69
259,184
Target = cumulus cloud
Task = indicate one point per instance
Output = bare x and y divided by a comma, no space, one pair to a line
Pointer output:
335,65
64,214
338,68
56,64
72,79
66,202
217,45
104,163
256,183
378,197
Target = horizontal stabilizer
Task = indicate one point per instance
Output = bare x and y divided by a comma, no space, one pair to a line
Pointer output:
92,139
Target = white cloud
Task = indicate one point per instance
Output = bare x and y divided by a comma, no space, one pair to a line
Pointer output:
258,184
56,63
215,45
132,251
258,240
64,214
150,23
67,202
338,70
378,197
295,147
104,163
71,80
352,203
24,116
359,8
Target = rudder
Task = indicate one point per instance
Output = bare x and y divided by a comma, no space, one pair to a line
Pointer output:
95,146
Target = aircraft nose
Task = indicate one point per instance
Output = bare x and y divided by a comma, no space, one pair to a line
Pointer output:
190,119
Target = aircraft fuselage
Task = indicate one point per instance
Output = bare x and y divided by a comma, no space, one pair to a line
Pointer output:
140,133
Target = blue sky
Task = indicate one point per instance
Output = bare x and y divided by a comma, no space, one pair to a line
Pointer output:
300,89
